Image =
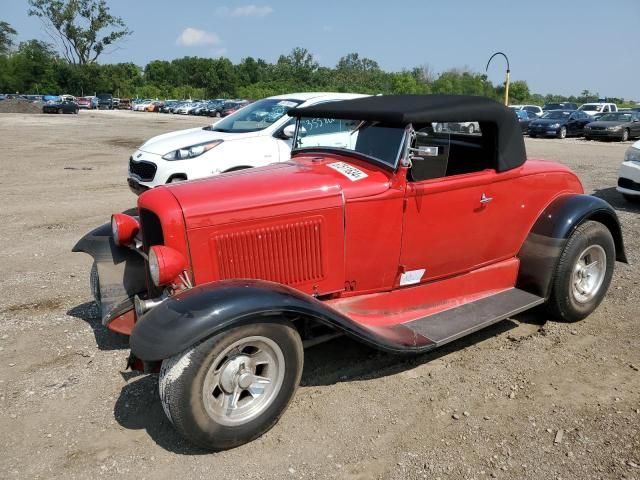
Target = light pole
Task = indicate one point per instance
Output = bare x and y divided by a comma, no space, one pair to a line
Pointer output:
506,83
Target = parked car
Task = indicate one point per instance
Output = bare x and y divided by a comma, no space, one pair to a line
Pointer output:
63,106
124,104
141,105
224,281
559,123
619,126
84,102
251,137
560,106
214,109
105,101
595,108
529,108
629,177
232,107
524,119
467,127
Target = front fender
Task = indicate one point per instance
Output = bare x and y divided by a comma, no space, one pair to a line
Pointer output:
185,319
121,271
541,250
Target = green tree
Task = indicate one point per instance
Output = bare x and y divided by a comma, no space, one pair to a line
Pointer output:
33,68
82,28
6,38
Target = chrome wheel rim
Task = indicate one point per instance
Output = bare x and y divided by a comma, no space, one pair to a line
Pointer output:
588,273
563,132
243,380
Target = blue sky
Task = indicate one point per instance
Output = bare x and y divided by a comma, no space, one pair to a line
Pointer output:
557,46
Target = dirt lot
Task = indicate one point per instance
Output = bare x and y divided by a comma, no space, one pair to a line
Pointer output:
524,399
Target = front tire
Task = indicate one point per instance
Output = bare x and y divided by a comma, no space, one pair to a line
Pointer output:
233,387
583,273
563,132
625,135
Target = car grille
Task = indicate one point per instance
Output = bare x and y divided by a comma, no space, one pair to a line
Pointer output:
628,183
145,170
598,128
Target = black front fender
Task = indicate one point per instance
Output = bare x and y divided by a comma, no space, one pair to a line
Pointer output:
542,248
185,319
121,271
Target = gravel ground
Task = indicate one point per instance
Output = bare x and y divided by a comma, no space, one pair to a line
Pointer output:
524,399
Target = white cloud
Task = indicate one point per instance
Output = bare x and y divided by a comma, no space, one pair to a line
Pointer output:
246,11
192,37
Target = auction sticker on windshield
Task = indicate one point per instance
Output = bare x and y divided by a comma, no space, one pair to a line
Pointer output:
352,173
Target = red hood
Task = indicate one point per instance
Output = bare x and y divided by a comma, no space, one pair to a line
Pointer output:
309,182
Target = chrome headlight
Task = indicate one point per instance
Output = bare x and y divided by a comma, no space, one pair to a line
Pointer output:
632,155
154,267
555,125
192,151
614,129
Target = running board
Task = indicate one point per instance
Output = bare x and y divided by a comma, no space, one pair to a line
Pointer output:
449,325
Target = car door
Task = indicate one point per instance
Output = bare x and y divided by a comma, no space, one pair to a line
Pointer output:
453,223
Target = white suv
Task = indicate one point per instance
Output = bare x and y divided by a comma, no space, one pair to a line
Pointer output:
251,137
629,177
596,108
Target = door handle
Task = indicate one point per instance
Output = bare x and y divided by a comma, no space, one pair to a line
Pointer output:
484,199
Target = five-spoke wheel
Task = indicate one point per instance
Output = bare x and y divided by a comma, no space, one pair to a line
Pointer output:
232,387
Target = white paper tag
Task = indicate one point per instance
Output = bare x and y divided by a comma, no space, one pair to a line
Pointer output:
411,277
287,103
349,171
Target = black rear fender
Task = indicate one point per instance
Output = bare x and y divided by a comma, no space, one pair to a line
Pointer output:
541,250
185,319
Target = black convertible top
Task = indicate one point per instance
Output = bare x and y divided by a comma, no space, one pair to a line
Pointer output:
496,120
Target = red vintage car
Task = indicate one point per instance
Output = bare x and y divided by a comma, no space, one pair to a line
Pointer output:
380,228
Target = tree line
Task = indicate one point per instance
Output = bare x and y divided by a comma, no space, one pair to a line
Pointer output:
82,30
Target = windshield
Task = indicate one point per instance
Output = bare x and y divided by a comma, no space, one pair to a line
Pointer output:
616,117
556,114
255,116
379,142
590,108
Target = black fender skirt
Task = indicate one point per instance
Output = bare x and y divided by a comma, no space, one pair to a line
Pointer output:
541,250
121,271
185,319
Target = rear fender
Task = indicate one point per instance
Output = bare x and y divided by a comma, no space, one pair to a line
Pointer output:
189,317
541,250
121,272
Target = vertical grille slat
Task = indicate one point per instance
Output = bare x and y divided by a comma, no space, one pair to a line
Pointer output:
289,253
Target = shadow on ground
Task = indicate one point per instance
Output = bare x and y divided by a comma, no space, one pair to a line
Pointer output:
616,200
341,360
105,338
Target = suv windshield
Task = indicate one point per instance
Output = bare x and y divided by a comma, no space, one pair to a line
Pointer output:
256,116
374,140
556,114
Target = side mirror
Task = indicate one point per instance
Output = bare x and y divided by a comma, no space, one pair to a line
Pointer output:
289,131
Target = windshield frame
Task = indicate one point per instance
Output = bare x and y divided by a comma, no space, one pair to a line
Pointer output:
352,153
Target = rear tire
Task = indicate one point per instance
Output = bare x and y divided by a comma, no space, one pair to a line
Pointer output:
583,273
233,387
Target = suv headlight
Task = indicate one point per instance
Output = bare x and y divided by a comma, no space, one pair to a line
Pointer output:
632,155
192,151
